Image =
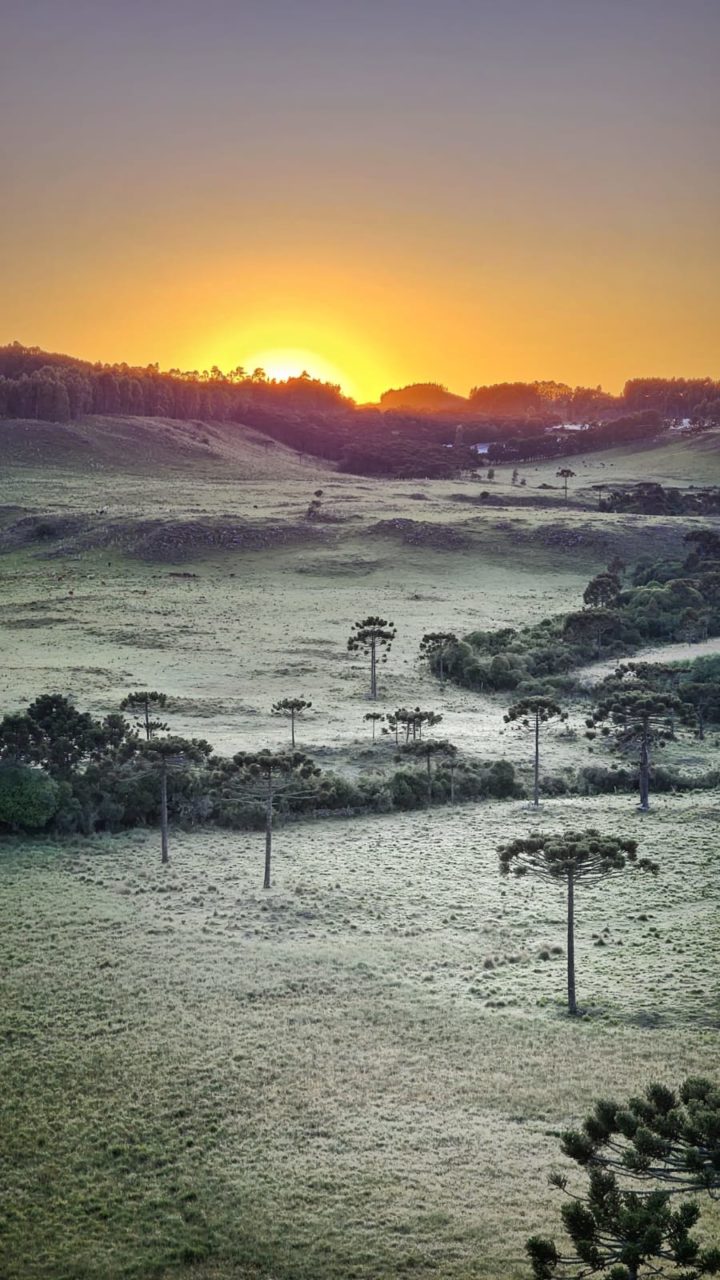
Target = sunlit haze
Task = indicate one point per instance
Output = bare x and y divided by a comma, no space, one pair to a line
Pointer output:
382,192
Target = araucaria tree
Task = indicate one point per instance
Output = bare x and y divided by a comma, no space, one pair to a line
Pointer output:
374,717
570,858
292,708
277,773
412,720
426,750
434,648
372,636
163,757
532,712
146,703
52,733
657,1143
658,1136
565,474
624,1235
638,718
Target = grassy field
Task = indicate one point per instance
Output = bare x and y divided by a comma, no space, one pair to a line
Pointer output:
363,1072
359,1074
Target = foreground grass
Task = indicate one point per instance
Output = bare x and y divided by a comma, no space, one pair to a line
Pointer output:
360,1074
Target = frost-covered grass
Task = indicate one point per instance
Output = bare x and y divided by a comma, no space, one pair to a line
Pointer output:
358,1074
362,1073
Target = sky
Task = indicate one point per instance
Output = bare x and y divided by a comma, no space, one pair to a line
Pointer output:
381,191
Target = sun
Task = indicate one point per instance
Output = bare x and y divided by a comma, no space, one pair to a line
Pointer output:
287,342
289,362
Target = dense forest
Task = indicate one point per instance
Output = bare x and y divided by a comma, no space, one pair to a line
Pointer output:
418,430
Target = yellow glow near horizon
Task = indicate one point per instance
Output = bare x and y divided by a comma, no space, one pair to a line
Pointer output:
288,342
289,362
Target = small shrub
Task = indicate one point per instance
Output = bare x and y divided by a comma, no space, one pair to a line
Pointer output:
28,797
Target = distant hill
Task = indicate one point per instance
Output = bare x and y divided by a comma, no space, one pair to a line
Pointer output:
127,443
423,397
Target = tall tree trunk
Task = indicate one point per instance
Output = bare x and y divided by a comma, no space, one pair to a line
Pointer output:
536,789
645,769
268,832
429,777
572,1002
164,857
292,728
701,724
442,671
147,720
373,669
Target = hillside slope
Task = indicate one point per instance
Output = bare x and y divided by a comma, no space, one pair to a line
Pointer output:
149,444
672,459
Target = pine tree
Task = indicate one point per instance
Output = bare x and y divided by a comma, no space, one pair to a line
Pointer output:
375,718
602,591
572,857
426,751
625,1235
659,1136
637,718
166,756
434,648
145,702
292,708
278,774
372,636
535,711
565,474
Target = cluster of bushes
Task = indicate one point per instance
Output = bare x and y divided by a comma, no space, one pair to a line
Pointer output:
64,771
594,780
654,500
667,600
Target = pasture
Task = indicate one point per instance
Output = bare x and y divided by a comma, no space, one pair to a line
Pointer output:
363,1072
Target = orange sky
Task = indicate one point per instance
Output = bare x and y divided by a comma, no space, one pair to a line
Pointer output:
494,192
